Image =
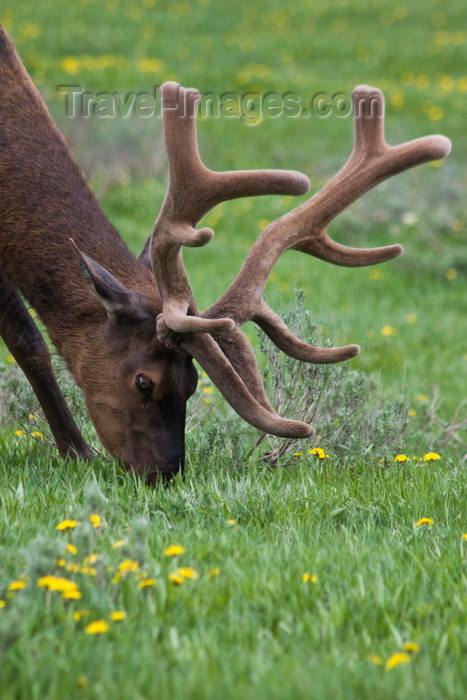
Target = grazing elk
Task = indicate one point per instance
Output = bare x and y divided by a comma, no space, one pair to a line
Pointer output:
129,328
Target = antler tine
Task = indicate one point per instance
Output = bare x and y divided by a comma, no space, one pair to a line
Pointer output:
304,229
193,190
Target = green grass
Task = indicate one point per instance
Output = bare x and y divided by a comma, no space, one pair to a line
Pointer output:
255,629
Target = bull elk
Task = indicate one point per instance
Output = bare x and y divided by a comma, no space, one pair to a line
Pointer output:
129,328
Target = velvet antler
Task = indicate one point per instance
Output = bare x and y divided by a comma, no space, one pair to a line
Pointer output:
193,190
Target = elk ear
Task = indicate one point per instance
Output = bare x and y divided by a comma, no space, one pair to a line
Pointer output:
113,295
145,255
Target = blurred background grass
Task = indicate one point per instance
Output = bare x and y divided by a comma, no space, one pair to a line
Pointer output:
408,315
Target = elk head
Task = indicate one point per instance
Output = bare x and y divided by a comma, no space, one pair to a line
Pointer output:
165,340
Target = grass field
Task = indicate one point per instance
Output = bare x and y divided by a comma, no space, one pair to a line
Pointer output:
340,577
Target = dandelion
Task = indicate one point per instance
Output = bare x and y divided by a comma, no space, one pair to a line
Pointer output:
318,452
400,657
375,659
10,359
186,572
19,433
32,416
231,521
2,603
412,647
71,548
401,458
176,578
71,65
297,454
66,524
95,520
57,583
431,457
118,615
128,566
464,536
451,273
412,412
388,330
97,627
147,582
37,434
91,559
174,550
79,614
424,521
309,578
72,594
17,585
118,543
216,571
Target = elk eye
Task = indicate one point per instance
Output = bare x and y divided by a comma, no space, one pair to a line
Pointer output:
144,386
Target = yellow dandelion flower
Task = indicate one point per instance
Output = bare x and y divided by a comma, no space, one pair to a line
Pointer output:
401,657
10,359
451,273
60,562
424,521
421,397
208,390
73,567
187,572
174,550
375,659
231,521
412,412
70,65
118,615
388,330
37,434
318,452
297,454
431,457
216,571
97,627
128,566
19,433
118,543
31,416
412,647
309,578
95,520
57,583
66,524
17,585
2,603
376,274
88,570
401,458
147,582
176,578
91,559
71,548
72,594
150,65
465,535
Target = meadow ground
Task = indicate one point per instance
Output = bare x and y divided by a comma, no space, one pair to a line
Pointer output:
341,576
